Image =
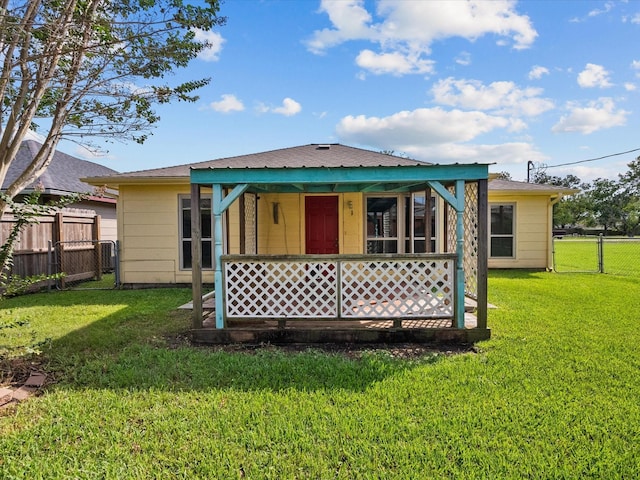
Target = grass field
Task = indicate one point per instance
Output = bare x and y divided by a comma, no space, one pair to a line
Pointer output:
620,256
553,394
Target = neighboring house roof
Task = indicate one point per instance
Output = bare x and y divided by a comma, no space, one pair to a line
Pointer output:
498,185
62,176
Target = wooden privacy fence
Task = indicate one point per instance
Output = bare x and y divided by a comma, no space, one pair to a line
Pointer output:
57,241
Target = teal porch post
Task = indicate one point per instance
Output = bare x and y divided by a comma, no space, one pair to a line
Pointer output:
217,210
457,202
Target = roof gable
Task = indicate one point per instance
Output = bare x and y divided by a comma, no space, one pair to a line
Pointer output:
312,155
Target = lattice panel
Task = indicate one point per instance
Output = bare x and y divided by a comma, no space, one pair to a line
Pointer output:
397,288
471,239
295,289
250,224
470,220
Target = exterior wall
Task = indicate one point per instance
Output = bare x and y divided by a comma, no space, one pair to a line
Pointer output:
148,230
148,223
108,218
533,220
287,237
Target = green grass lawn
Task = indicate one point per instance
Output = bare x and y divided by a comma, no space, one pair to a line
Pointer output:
555,393
621,255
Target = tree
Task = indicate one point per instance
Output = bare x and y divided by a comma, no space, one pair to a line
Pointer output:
503,176
91,68
569,210
606,202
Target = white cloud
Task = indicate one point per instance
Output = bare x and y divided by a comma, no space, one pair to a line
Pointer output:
464,58
394,63
636,66
423,126
513,153
596,115
630,87
600,11
214,42
499,97
408,29
288,108
636,18
594,76
537,72
350,19
228,103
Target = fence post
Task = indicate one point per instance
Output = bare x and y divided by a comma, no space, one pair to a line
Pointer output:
600,254
58,229
95,236
49,264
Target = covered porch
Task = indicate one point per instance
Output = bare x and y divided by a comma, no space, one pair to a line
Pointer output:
338,297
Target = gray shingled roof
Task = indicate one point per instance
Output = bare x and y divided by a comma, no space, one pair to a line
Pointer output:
498,185
313,155
63,174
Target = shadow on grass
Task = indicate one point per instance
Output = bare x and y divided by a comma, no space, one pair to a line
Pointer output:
142,345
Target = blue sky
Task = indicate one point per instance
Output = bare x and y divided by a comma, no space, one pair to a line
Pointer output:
498,82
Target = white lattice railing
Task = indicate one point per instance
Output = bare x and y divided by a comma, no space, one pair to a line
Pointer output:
344,287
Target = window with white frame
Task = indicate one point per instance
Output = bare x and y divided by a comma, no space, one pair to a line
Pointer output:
418,216
389,232
502,235
206,229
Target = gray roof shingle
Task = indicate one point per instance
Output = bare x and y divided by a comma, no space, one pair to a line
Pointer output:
63,174
313,155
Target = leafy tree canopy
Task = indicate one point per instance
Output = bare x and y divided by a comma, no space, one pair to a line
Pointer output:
92,68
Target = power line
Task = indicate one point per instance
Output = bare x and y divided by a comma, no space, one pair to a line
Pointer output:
592,159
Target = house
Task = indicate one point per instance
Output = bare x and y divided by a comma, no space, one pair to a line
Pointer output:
324,200
78,240
521,223
62,177
154,216
310,209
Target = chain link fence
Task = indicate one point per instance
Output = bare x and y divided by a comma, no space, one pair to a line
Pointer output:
85,264
612,255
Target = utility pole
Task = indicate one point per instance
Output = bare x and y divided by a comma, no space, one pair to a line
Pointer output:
529,168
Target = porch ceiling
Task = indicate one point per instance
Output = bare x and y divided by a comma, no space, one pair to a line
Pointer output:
341,179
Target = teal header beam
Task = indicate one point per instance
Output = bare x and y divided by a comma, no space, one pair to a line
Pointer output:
339,175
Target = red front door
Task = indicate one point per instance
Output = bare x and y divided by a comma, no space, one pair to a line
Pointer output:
321,220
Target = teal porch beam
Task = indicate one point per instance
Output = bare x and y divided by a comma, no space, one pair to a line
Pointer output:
220,204
338,175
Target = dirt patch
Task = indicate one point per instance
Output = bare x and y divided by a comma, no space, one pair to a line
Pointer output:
20,381
400,350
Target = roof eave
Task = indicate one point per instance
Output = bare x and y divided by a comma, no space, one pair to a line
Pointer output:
115,182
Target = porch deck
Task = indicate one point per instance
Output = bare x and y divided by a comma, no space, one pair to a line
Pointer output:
434,331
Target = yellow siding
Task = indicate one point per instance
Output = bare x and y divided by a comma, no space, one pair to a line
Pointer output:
233,228
352,224
148,223
287,237
532,233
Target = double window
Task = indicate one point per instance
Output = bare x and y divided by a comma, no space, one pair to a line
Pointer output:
391,232
206,229
502,238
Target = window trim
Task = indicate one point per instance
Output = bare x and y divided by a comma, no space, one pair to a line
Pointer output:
514,224
401,204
